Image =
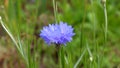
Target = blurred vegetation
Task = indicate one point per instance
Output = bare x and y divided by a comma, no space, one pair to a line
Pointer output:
25,19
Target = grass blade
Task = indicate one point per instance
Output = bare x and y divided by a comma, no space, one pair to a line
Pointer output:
9,33
77,63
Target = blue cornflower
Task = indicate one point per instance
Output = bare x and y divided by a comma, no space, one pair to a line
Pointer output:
57,33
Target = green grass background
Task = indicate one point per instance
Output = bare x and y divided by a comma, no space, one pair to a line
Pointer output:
25,19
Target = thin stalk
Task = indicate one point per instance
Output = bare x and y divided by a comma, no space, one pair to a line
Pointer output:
94,27
82,28
83,38
90,53
106,21
17,44
54,10
77,63
62,57
94,35
105,25
9,33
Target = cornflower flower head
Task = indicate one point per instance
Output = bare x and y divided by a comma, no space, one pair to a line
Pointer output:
57,33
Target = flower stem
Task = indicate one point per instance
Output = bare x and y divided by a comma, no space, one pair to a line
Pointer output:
57,53
62,57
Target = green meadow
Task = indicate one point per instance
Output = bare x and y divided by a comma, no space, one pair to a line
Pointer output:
96,43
